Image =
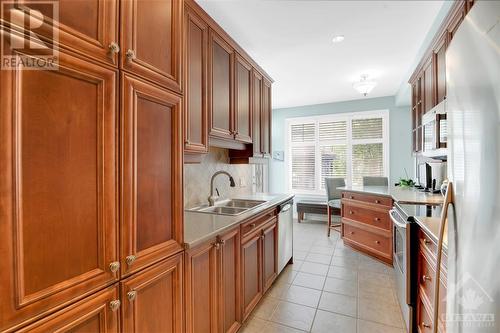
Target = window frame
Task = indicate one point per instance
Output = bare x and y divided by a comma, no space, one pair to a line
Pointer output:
348,117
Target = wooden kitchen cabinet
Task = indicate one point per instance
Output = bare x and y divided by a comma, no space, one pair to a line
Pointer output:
440,63
195,83
150,42
151,198
152,300
221,108
266,118
98,313
213,285
256,112
251,272
428,86
86,27
242,100
269,254
58,187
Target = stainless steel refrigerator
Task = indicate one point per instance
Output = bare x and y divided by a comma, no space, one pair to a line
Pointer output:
473,111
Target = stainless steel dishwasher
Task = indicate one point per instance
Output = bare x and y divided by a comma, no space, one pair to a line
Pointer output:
285,234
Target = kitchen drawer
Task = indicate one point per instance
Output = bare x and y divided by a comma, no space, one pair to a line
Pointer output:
376,218
426,275
424,319
254,223
427,243
374,242
373,199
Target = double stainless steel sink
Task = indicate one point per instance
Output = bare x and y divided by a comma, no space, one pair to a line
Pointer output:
228,207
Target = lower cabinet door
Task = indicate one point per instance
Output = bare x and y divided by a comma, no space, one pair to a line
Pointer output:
270,254
229,282
201,294
97,313
152,298
251,254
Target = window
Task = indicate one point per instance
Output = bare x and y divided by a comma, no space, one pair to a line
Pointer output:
339,145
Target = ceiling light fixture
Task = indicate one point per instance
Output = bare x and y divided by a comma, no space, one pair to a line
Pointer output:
364,86
338,38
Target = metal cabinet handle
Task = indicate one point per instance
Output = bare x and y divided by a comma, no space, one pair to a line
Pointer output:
377,201
426,278
252,225
426,241
351,212
114,47
114,305
377,242
217,245
131,295
351,197
114,266
262,237
377,219
426,325
351,232
130,54
130,259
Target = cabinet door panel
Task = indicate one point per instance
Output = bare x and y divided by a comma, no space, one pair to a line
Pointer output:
229,275
151,40
221,88
152,176
87,27
92,314
195,90
270,254
152,299
256,111
428,87
441,70
243,116
266,118
201,293
58,186
251,273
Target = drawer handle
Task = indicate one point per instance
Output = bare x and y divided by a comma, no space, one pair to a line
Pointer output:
351,232
351,197
377,201
426,325
131,295
351,212
426,278
114,266
130,259
252,225
114,305
377,242
426,241
377,219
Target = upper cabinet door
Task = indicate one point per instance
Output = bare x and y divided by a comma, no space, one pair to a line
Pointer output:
440,57
195,83
57,186
428,86
152,299
152,174
242,98
256,111
151,40
221,87
266,118
86,27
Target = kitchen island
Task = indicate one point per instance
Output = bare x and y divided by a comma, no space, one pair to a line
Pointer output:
399,194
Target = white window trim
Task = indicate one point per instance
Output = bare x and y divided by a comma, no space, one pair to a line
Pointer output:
347,116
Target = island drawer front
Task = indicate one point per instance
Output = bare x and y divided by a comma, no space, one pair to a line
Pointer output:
426,276
368,216
254,223
427,243
378,243
424,318
370,198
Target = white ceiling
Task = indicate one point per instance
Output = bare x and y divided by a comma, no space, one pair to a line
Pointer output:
291,40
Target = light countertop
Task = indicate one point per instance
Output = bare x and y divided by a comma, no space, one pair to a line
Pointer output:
399,194
200,227
430,225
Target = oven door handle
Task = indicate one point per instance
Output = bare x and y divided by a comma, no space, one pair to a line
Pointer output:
395,221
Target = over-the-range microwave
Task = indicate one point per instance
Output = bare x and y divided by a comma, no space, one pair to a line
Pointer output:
435,132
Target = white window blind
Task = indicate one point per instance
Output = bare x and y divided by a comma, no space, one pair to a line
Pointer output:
347,146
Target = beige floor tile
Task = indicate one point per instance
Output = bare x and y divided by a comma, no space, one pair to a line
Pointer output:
314,268
296,264
322,250
253,325
266,307
294,315
343,273
309,280
287,275
376,293
371,327
374,266
350,262
278,290
277,328
380,313
375,279
327,242
303,296
299,255
342,304
319,258
328,322
339,286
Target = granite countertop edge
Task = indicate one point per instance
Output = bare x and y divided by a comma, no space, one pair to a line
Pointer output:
430,226
227,222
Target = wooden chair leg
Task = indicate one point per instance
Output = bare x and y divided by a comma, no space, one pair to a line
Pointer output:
328,212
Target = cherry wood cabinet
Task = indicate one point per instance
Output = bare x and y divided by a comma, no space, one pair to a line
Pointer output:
266,118
195,83
213,285
256,112
98,313
440,69
269,254
151,33
58,235
221,108
151,198
428,86
86,27
242,100
152,300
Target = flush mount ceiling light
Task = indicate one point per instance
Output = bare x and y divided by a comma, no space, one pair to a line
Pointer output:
338,38
364,86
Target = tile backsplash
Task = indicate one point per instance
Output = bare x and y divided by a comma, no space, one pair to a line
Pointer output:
197,178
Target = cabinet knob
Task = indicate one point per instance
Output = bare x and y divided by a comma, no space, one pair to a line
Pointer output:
351,212
377,219
426,278
131,295
252,225
426,325
130,259
114,266
426,241
377,242
351,197
130,54
377,201
351,232
114,305
114,47
217,245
